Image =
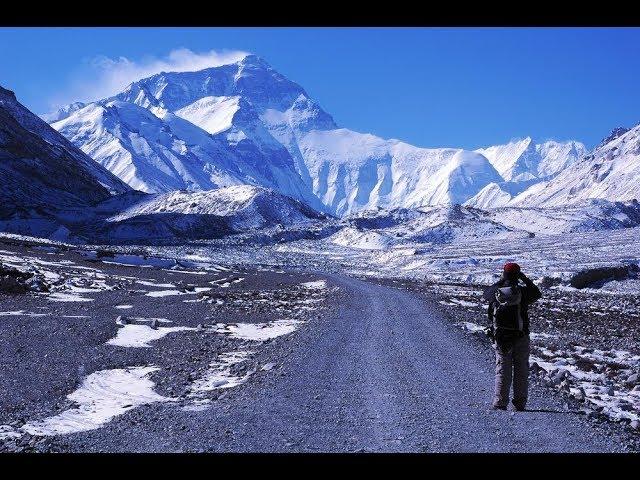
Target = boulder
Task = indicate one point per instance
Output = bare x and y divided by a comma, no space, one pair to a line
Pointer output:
13,280
592,276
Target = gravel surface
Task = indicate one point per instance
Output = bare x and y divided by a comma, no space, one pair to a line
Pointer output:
382,371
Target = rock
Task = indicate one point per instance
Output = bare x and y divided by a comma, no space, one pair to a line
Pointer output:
611,391
558,377
635,424
154,324
564,386
37,284
200,327
586,278
12,285
580,395
632,380
121,320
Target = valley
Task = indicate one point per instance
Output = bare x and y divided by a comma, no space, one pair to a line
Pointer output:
208,261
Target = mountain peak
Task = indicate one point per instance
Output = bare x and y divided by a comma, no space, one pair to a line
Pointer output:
252,59
615,133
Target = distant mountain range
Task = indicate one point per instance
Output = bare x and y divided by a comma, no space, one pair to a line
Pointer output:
240,147
52,189
245,123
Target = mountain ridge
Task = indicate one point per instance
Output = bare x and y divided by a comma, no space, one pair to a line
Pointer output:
249,124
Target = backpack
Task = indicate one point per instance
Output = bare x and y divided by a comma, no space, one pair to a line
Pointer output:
507,309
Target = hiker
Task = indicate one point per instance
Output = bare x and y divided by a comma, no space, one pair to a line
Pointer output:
509,300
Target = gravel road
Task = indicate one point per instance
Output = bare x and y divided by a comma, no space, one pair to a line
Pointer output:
382,372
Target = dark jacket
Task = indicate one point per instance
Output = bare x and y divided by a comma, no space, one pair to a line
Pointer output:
530,293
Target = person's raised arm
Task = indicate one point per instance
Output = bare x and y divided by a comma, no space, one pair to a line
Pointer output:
533,293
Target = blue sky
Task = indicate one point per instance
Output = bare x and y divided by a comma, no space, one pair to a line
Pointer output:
462,87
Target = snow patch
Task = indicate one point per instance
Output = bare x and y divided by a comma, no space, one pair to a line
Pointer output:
317,285
67,297
258,332
138,336
167,293
17,313
102,396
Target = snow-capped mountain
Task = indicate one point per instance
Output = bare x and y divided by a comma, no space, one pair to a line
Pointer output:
63,112
524,160
196,130
521,164
245,123
50,188
611,172
351,171
42,172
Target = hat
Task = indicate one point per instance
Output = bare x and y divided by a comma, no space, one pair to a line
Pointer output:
511,268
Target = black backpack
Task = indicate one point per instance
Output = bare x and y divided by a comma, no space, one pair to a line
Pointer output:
506,309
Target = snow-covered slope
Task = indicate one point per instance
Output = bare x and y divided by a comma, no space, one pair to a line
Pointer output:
42,173
587,216
387,229
491,196
212,114
184,215
245,123
610,172
524,160
149,153
250,207
418,228
194,130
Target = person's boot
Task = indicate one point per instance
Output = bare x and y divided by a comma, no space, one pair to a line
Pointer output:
498,407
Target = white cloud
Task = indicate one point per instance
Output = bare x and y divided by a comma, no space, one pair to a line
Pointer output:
102,76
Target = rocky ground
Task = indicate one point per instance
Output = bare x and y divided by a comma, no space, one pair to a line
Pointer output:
195,331
103,345
585,346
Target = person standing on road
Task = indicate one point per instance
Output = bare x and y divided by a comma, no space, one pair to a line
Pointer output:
509,301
